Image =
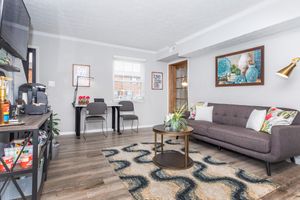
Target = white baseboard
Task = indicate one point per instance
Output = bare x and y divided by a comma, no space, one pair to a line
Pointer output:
100,130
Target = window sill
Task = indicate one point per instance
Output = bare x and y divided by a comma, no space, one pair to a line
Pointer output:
135,101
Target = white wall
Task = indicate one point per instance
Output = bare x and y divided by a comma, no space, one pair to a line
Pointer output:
19,78
56,57
279,50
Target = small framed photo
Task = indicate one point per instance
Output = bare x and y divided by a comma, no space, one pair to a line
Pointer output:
157,80
79,73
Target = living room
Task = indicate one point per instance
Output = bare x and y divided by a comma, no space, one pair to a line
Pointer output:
149,99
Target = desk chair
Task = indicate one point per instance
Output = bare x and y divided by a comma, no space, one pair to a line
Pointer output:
98,99
128,109
95,112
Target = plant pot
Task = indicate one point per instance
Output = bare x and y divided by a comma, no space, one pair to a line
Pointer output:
176,126
55,150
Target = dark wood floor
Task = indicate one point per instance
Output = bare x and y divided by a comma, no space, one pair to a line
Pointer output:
82,172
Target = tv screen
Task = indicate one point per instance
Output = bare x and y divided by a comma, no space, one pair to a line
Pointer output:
14,31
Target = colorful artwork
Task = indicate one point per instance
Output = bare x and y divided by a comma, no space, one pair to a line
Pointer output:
241,68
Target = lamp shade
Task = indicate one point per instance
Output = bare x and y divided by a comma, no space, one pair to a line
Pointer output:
286,72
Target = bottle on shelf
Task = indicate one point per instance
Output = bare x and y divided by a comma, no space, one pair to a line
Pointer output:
4,102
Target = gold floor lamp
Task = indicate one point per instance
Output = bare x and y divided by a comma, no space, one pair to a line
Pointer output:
286,72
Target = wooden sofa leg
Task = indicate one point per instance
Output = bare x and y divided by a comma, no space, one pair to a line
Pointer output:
268,168
219,148
293,160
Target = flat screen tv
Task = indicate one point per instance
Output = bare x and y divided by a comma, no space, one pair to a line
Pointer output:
14,27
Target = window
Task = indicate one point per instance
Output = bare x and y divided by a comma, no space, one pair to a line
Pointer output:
128,77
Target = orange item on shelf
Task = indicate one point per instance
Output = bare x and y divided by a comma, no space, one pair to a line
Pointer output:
26,161
5,111
9,162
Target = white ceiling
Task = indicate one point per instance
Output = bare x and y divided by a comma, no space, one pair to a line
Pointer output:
144,24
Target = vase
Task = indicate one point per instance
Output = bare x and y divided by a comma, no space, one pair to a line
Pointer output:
252,74
243,62
240,79
175,126
232,77
224,65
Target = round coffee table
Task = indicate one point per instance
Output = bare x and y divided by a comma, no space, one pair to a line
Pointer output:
172,159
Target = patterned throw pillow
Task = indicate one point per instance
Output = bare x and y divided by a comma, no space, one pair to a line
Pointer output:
276,116
193,109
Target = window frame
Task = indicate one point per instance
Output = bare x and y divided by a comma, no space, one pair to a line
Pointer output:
143,77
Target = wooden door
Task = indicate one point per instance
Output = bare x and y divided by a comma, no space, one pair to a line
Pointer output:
178,88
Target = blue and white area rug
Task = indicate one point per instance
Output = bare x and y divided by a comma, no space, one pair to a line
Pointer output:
208,178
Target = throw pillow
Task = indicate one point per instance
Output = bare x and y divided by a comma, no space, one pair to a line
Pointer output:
193,109
276,116
256,119
204,113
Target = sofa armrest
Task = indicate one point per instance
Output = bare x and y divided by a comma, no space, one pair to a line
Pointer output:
285,142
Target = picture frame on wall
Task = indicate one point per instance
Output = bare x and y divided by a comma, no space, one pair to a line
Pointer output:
157,80
80,71
241,68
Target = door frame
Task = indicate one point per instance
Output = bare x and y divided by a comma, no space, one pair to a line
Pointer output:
171,84
37,60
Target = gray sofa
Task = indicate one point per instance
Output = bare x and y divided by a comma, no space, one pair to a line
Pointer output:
228,131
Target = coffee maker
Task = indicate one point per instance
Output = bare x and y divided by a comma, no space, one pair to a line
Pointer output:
34,97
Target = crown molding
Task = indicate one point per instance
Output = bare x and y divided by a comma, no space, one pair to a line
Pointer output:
76,39
227,20
234,17
129,58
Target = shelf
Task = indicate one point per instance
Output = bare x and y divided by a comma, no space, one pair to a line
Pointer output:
16,172
30,187
9,68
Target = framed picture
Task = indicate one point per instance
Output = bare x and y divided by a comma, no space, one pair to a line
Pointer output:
242,68
78,74
157,80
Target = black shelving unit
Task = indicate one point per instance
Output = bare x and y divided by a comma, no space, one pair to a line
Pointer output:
32,125
9,68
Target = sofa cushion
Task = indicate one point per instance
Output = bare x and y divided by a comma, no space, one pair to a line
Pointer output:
204,113
235,115
200,127
242,137
276,117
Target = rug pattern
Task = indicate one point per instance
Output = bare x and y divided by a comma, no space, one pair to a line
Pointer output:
207,179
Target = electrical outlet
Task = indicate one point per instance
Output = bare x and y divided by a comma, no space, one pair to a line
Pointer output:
51,83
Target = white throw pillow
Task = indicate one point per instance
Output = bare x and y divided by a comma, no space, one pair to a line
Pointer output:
256,119
193,108
204,113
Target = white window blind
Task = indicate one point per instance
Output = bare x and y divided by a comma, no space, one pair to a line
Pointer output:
128,79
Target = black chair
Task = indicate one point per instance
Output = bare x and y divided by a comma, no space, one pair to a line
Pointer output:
127,114
98,99
94,113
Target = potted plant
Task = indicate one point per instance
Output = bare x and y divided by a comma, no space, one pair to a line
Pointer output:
56,132
176,121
